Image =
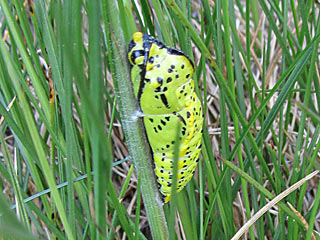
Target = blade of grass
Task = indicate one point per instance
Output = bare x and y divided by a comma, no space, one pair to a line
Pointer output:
275,200
174,197
36,139
138,208
10,227
25,56
15,184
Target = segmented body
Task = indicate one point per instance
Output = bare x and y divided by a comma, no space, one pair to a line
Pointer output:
164,88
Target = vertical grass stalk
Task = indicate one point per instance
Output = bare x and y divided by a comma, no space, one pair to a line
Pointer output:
132,125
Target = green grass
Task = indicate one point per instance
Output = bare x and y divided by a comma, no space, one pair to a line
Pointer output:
76,165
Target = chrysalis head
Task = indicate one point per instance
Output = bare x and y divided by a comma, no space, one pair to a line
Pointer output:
136,50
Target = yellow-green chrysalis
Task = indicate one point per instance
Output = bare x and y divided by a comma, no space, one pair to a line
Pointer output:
164,88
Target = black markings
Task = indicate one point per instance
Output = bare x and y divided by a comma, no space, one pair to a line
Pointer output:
182,120
182,66
159,80
156,131
188,114
158,66
183,131
172,142
188,75
158,89
147,80
167,118
184,166
151,120
132,44
177,76
159,127
135,54
169,79
163,122
161,170
167,146
170,70
164,100
151,60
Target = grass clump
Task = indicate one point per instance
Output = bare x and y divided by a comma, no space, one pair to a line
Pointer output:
67,155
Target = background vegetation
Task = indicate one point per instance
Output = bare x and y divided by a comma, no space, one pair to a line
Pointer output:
65,168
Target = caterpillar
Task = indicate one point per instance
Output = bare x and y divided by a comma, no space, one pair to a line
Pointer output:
162,83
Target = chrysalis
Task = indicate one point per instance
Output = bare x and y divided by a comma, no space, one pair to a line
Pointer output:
164,88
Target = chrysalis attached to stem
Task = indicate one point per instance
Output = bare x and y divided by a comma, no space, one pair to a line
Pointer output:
162,82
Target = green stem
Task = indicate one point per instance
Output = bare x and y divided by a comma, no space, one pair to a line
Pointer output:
133,127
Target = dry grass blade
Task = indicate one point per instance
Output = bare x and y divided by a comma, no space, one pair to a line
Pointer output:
8,108
303,220
272,203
